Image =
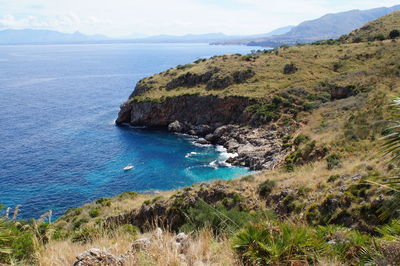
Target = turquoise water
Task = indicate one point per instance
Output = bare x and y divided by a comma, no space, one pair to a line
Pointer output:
59,147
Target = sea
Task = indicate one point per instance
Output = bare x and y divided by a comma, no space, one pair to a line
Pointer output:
59,146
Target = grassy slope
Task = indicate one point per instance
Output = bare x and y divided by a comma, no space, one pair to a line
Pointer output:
382,26
337,64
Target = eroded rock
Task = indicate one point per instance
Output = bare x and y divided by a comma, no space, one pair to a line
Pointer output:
96,257
141,244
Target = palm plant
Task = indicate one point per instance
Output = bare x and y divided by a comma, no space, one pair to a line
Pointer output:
391,147
286,243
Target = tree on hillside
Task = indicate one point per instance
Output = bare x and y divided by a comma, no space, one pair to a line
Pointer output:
394,34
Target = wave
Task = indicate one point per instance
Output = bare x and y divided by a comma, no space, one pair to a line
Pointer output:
190,154
224,154
201,145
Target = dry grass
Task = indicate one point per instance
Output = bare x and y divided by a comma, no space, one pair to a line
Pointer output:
65,252
204,249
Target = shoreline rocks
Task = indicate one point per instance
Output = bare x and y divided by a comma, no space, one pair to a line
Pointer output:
257,148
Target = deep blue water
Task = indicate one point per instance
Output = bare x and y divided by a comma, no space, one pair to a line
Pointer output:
59,147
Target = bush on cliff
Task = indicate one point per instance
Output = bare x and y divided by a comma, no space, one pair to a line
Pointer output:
265,188
219,219
16,243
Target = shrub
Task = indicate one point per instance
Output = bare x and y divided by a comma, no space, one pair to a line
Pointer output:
333,178
86,235
104,202
219,219
182,67
199,60
128,195
301,139
394,34
269,112
290,69
380,37
284,244
15,243
333,161
80,222
158,198
247,178
265,188
94,212
129,229
59,234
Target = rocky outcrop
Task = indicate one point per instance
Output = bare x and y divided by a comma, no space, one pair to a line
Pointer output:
189,109
256,148
96,256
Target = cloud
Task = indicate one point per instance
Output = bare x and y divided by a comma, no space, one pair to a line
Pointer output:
123,17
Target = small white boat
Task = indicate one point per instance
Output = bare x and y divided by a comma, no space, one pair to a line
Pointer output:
128,167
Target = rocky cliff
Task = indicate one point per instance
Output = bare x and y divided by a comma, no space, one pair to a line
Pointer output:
190,109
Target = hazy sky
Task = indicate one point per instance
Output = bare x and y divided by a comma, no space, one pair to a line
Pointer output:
151,17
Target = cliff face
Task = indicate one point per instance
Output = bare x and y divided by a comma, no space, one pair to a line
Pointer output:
189,109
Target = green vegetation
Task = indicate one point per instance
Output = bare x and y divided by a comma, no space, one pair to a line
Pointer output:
333,161
265,188
219,219
287,243
19,241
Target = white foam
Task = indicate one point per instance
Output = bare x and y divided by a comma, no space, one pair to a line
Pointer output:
201,145
214,164
224,154
190,154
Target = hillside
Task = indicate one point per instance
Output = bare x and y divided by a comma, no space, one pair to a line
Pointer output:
330,26
309,118
377,29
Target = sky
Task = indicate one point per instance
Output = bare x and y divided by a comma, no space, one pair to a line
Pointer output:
138,18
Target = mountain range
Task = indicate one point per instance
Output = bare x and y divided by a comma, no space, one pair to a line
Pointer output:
31,36
329,26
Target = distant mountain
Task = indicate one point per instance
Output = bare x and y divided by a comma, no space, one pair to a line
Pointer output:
30,36
205,38
279,31
330,26
189,38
